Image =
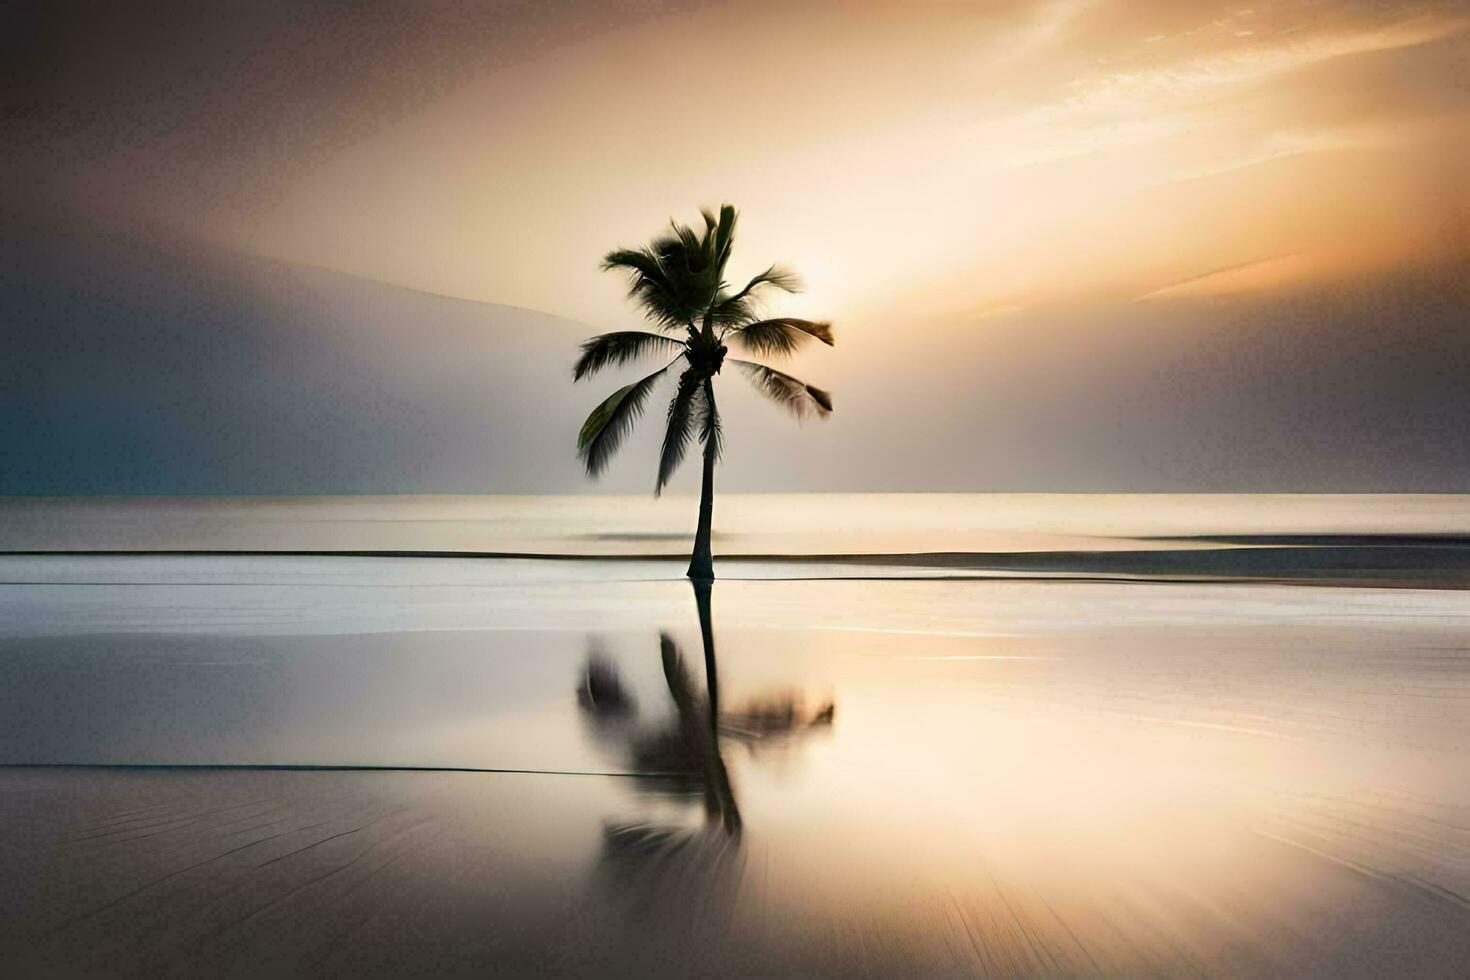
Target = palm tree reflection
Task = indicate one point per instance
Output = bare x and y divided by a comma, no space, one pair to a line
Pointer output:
683,756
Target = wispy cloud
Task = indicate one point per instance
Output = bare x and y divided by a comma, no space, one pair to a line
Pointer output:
1199,76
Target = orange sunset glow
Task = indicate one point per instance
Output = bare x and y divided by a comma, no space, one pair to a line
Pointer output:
1022,152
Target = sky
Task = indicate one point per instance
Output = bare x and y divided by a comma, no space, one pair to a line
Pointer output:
1067,245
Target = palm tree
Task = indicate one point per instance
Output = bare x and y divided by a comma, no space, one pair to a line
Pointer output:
678,280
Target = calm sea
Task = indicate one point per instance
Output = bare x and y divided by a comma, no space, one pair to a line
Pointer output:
749,524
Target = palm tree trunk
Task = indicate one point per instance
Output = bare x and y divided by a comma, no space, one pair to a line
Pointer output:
701,562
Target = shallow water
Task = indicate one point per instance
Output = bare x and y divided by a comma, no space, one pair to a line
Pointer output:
899,776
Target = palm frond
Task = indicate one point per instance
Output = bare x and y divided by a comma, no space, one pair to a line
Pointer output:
691,278
777,277
616,349
793,394
693,252
711,432
724,237
732,311
653,284
640,264
676,436
782,336
679,276
611,421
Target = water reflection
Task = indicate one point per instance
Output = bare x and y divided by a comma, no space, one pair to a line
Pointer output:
682,756
973,820
1029,779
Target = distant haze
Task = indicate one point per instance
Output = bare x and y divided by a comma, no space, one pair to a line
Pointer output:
314,248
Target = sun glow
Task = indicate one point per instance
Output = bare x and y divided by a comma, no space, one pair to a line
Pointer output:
895,165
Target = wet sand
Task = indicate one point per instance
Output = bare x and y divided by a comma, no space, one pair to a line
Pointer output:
897,777
262,873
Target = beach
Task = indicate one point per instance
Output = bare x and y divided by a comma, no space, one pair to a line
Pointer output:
374,764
